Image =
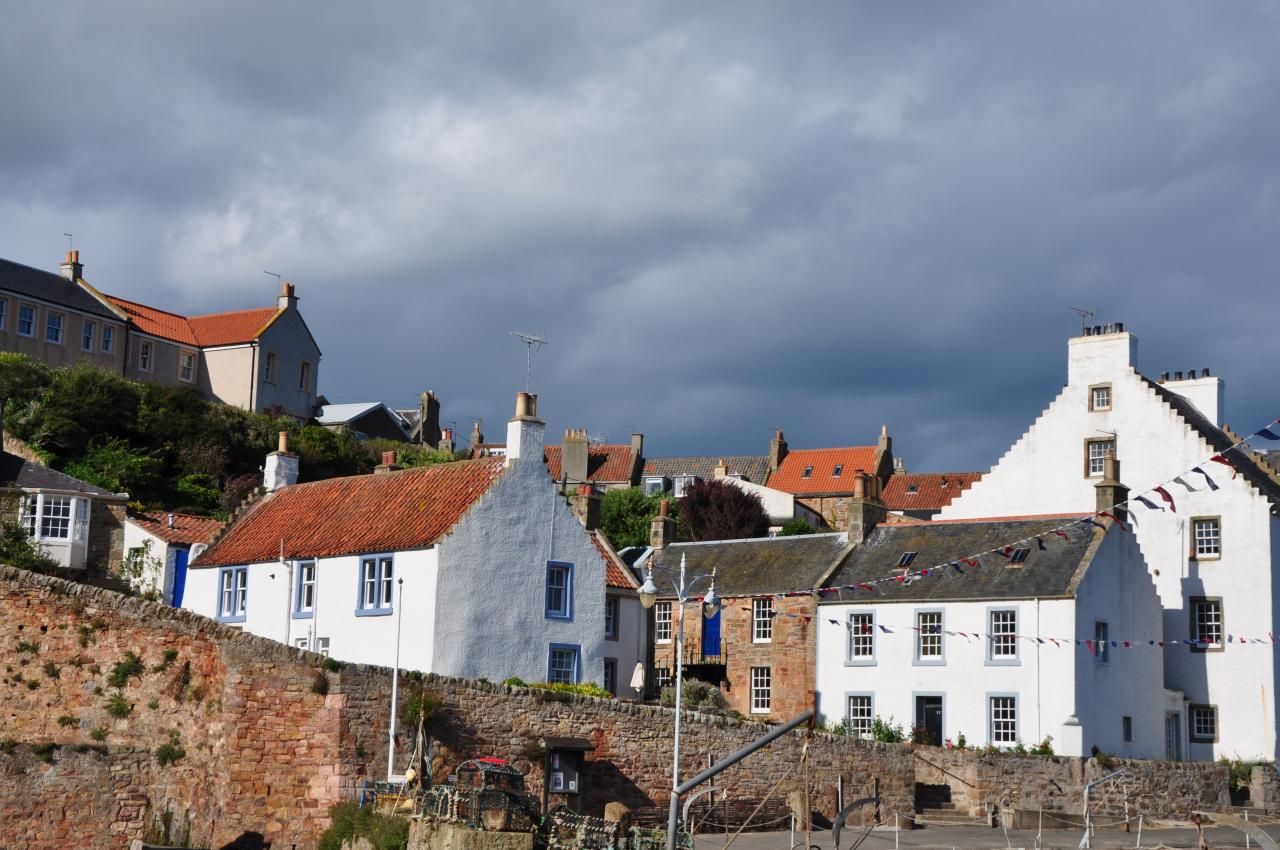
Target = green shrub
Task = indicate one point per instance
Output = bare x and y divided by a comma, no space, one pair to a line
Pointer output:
52,670
794,527
515,682
170,752
348,821
99,733
331,664
119,707
170,656
319,683
886,731
44,751
695,695
419,704
67,720
28,646
130,667
1044,748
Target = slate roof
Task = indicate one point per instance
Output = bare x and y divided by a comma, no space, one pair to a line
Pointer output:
790,476
1051,572
341,414
928,491
383,512
51,287
1247,463
235,327
187,528
754,468
751,567
604,463
23,474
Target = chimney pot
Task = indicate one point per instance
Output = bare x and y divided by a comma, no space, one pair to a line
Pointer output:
282,444
664,507
1119,327
1204,373
1177,376
388,458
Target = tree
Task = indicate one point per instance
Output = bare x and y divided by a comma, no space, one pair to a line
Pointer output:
795,526
625,515
720,510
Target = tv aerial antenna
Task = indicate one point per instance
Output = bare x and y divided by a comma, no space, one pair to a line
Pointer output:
1085,316
71,242
533,342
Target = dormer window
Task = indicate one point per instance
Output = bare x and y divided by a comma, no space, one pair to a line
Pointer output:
906,559
808,470
835,473
1019,556
912,489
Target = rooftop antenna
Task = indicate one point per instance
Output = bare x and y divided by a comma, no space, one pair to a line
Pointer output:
1085,316
533,342
277,277
70,242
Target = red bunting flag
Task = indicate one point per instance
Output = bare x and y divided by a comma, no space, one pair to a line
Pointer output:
1222,460
1093,650
1061,533
1164,494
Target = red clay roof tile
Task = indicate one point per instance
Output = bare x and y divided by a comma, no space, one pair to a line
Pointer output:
237,326
385,512
822,463
928,491
187,528
615,573
604,463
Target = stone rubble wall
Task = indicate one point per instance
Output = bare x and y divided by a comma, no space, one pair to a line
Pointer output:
272,736
982,782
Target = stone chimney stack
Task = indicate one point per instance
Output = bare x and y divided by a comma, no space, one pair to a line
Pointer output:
722,469
866,511
574,457
885,443
637,457
287,297
777,451
71,267
446,441
389,463
662,528
477,438
586,507
281,469
1109,491
428,418
525,431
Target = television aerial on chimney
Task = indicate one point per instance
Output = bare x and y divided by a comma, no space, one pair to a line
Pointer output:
532,343
71,243
1085,316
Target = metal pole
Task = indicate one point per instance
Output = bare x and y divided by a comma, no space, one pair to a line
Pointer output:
395,681
1247,845
1139,844
897,830
673,810
729,761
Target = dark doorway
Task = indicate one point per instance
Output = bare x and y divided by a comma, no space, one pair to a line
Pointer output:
929,719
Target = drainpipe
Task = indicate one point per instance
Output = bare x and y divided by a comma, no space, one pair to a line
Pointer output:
253,374
1039,731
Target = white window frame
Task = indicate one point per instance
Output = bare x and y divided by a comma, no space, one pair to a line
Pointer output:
1202,721
87,333
933,639
1207,547
375,593
654,485
36,516
860,642
28,320
108,338
860,725
662,622
1202,624
1002,640
1097,390
322,646
1101,642
269,367
762,619
1002,713
146,355
187,364
1096,467
54,327
612,608
761,690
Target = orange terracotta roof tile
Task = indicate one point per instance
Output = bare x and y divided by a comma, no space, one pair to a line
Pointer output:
237,326
822,464
385,512
926,490
231,328
159,323
186,529
615,572
604,463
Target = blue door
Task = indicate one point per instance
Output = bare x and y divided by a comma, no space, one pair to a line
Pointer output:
179,575
711,636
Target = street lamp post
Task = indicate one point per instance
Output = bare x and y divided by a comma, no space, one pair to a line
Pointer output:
710,607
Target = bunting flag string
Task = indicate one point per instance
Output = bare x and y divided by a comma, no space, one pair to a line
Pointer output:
1006,550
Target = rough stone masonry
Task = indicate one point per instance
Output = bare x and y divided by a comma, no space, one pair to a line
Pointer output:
119,715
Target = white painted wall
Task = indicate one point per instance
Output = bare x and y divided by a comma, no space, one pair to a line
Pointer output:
629,648
362,639
159,580
780,506
1043,473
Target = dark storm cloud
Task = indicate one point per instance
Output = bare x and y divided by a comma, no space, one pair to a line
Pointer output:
727,218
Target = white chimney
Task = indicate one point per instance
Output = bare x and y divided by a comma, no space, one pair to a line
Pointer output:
281,469
525,431
1100,355
1205,392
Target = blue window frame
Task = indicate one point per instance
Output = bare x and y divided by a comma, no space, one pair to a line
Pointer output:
233,594
373,595
563,663
559,604
304,592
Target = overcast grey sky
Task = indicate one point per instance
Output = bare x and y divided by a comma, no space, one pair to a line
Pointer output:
726,217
